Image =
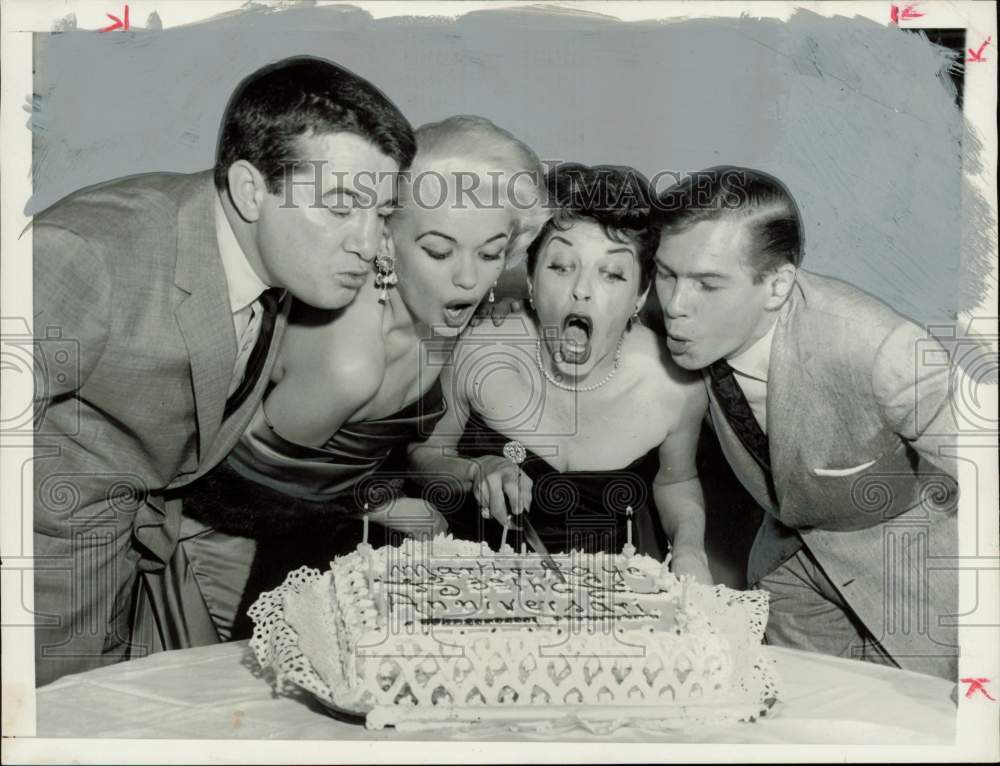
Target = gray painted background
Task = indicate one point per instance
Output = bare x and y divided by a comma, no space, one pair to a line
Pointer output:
857,118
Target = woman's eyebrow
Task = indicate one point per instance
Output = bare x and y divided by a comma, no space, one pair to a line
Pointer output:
621,250
436,233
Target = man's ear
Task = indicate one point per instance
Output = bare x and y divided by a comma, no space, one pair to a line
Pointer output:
247,189
780,283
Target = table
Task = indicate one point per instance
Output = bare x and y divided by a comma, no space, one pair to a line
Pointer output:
215,692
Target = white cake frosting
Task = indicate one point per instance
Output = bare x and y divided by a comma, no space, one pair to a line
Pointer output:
447,631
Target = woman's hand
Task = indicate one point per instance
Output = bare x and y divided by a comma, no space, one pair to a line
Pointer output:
411,516
497,312
689,560
498,484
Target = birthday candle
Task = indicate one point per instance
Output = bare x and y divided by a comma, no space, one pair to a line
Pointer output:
371,572
364,526
628,514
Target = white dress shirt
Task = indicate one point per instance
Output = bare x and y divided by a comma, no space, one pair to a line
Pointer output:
750,369
245,288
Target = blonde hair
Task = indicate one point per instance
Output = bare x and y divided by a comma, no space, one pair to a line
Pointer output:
477,148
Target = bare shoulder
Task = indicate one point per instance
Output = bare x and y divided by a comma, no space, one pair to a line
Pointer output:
648,352
339,351
488,346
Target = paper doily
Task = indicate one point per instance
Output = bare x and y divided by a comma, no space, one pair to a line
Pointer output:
294,641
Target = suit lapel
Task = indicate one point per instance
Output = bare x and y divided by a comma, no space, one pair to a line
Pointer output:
237,422
204,316
787,412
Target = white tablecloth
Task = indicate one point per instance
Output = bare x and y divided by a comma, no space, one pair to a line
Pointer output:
215,692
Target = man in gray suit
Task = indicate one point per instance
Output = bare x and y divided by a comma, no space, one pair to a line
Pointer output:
831,415
159,304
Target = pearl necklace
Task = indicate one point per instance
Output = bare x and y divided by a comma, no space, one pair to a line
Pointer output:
557,381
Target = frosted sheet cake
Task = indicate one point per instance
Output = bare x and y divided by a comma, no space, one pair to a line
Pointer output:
448,632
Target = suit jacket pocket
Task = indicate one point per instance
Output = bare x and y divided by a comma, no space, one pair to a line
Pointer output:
837,472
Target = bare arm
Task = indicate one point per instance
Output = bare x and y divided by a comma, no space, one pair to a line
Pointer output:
323,382
439,453
492,479
677,490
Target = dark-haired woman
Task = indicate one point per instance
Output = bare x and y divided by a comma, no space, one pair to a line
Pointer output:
574,412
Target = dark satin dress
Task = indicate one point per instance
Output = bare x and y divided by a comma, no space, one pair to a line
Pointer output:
303,505
582,510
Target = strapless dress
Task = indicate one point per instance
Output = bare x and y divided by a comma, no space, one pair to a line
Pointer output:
582,510
270,485
355,451
300,505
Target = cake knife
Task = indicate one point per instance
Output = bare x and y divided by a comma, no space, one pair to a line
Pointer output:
516,453
532,538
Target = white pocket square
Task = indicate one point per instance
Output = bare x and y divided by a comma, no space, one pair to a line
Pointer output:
842,471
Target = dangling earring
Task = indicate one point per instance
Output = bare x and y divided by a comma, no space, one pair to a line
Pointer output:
492,298
634,319
385,274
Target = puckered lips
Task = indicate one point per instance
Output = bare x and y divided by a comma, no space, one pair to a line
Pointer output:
677,343
353,280
577,330
458,312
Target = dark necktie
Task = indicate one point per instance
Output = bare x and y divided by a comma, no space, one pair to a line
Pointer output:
737,410
269,301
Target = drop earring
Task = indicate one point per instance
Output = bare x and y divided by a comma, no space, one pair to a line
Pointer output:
634,319
492,297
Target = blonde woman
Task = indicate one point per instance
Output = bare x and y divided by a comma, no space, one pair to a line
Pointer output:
351,385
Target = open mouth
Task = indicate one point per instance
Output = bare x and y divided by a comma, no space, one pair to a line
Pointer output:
457,313
577,331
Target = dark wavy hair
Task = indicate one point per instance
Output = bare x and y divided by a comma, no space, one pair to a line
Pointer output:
728,191
295,97
617,198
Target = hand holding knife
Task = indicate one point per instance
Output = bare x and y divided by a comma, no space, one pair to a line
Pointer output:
515,452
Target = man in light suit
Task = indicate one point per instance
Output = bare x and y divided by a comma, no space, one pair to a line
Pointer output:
830,413
159,304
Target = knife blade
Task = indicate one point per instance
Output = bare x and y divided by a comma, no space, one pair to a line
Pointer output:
531,537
